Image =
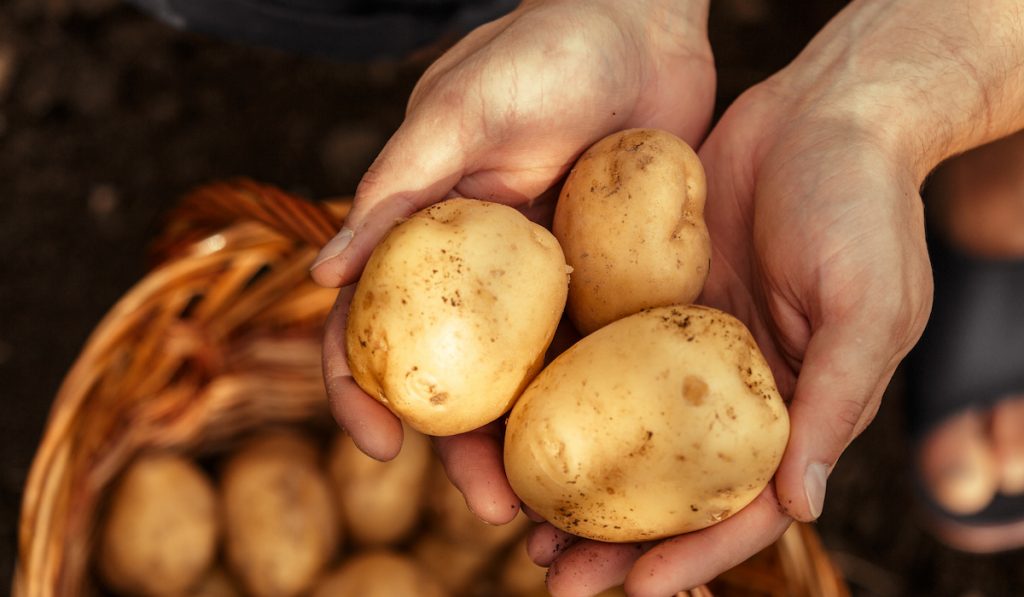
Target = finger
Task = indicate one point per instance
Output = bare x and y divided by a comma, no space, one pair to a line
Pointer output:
421,162
687,561
844,372
473,463
373,428
588,567
502,175
528,511
546,542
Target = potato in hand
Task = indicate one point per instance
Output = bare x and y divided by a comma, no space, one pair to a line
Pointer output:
630,219
665,422
453,313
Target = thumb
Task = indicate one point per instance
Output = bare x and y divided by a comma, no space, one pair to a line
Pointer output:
421,162
838,392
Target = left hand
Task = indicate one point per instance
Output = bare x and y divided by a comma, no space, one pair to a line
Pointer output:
817,229
818,246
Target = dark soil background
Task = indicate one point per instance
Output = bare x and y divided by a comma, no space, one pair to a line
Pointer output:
106,117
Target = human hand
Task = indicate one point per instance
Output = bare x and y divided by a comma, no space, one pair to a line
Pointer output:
504,113
818,245
501,117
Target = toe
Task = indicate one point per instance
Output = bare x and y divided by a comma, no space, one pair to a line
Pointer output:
1008,444
959,466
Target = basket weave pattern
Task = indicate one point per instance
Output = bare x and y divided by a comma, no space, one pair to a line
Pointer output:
221,337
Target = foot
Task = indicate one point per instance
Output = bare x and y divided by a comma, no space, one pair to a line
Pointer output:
965,463
970,459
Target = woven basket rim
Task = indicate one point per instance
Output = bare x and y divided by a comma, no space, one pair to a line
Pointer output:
234,257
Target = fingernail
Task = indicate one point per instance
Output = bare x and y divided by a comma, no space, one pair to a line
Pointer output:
334,247
815,478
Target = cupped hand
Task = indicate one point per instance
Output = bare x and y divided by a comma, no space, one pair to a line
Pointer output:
501,117
818,246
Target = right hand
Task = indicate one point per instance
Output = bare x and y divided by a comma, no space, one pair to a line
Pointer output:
501,117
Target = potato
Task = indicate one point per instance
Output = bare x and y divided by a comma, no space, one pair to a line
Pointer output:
280,524
380,502
630,219
661,423
453,313
379,574
161,527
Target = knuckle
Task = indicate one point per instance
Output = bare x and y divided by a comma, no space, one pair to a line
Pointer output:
844,424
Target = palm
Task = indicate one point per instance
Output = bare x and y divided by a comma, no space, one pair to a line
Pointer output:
761,271
737,282
501,117
804,227
817,244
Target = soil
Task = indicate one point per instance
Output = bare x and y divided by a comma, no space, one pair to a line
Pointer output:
107,116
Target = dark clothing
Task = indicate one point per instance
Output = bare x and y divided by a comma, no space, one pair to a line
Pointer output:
340,29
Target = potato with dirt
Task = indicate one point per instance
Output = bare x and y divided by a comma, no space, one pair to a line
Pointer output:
661,423
281,527
453,313
159,536
630,218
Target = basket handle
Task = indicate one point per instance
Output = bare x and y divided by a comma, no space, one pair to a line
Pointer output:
213,207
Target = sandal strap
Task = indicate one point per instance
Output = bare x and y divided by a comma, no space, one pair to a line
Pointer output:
971,354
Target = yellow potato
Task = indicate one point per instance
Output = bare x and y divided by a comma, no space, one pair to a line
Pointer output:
280,524
453,313
380,502
630,219
661,423
379,574
160,533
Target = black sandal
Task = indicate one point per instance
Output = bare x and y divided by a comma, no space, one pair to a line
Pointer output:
970,356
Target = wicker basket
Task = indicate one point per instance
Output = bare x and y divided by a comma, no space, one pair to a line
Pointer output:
214,342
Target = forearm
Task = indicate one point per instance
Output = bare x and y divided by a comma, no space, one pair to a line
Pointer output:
931,78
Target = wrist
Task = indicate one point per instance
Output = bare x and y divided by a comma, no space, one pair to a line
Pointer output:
672,26
662,45
922,81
